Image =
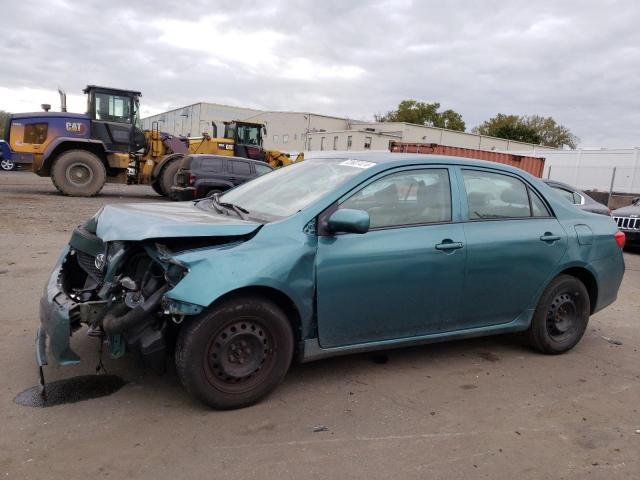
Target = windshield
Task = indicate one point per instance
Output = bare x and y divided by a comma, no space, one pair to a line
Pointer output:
248,135
288,190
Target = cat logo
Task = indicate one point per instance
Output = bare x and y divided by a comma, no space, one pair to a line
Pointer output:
75,127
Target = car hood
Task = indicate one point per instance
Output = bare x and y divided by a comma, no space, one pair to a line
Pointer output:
627,211
167,220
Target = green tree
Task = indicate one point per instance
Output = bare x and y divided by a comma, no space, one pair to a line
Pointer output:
4,119
551,133
531,129
421,113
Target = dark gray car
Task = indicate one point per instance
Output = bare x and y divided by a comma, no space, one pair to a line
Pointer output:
201,175
578,198
628,220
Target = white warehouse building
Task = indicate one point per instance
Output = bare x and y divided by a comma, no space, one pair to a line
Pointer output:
378,135
194,120
294,132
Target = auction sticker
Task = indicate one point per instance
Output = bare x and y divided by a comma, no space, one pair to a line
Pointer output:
357,163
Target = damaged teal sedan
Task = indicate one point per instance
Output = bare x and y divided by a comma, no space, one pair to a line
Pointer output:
348,253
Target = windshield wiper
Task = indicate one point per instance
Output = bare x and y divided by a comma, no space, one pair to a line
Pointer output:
230,206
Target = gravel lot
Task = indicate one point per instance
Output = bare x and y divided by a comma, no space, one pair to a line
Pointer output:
486,408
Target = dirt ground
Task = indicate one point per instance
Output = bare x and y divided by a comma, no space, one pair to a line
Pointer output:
486,408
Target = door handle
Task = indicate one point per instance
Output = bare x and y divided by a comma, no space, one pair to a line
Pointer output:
448,245
549,237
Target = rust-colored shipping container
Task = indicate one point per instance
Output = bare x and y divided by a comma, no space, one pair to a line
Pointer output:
533,165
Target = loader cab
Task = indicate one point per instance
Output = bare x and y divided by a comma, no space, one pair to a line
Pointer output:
247,139
115,118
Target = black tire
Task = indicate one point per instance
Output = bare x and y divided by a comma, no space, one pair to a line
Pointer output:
213,191
157,187
78,173
221,371
167,177
7,165
561,316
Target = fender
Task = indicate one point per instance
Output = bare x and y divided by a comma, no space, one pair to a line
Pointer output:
5,151
208,183
244,264
53,145
52,149
160,165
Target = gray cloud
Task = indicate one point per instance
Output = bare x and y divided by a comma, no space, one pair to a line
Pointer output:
576,61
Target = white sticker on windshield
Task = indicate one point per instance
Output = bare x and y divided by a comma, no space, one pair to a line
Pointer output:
357,163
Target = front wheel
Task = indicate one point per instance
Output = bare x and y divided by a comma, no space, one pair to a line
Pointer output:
157,187
78,173
167,177
236,353
7,165
561,317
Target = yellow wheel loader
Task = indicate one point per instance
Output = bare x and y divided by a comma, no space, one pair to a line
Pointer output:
81,152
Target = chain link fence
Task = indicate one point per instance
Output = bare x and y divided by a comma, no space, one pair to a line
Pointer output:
612,185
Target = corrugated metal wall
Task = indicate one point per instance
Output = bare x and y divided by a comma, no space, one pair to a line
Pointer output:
533,165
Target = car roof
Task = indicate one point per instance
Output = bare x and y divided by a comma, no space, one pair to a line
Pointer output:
381,157
228,157
560,184
588,200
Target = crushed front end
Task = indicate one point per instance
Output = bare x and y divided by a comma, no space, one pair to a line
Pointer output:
117,289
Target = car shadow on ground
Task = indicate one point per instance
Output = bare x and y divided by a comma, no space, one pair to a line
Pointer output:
333,373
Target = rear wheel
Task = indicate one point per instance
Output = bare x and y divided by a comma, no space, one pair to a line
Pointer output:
235,354
78,173
561,317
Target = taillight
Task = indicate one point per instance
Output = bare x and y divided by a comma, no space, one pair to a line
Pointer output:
192,179
620,238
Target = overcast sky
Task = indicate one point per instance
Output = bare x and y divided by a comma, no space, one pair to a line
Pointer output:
577,61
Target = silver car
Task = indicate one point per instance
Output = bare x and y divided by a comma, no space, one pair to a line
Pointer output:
578,198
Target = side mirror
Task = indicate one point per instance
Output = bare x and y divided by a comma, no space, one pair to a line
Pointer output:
347,220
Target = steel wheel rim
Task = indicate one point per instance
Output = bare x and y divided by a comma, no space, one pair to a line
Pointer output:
79,173
6,164
239,355
562,317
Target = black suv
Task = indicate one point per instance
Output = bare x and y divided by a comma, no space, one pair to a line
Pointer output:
201,175
628,220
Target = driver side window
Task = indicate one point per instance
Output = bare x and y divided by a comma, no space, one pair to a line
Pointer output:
411,197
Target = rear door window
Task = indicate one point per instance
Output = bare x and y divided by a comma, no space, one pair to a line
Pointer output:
211,165
495,196
240,168
538,208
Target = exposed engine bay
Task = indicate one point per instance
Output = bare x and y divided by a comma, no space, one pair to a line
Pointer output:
117,289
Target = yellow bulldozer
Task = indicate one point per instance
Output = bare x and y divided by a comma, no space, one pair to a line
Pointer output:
81,152
240,139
